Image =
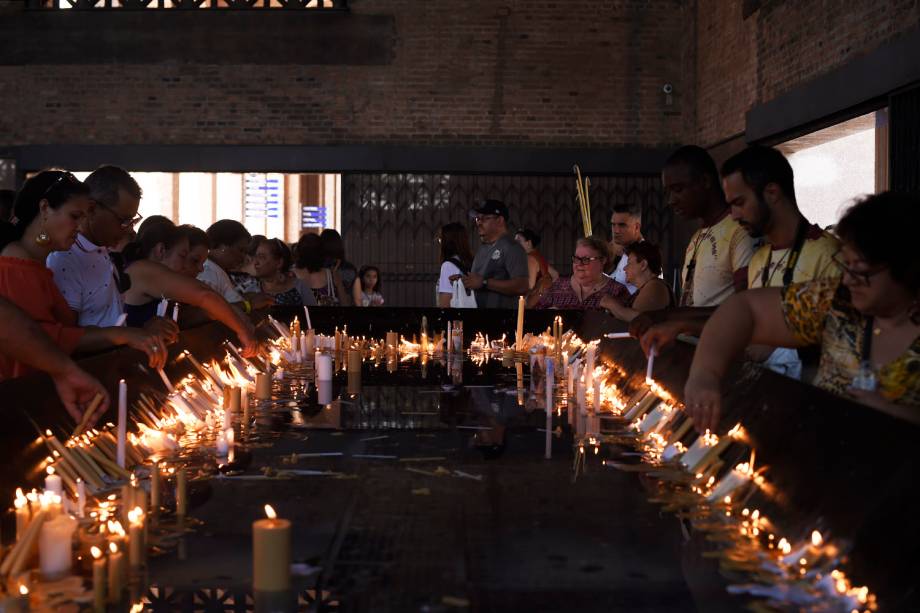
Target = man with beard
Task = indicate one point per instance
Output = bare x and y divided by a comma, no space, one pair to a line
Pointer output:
760,191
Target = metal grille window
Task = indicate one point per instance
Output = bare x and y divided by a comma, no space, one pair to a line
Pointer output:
316,5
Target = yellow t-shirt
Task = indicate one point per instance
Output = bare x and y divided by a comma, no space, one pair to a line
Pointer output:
815,261
717,255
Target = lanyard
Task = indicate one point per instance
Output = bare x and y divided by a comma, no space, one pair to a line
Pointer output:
797,245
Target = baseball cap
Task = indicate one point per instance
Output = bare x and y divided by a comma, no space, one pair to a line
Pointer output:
491,207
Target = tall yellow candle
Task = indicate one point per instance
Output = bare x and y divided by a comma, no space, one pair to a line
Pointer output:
263,387
99,580
271,553
519,339
117,573
137,548
181,492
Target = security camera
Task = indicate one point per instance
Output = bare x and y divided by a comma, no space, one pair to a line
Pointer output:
668,88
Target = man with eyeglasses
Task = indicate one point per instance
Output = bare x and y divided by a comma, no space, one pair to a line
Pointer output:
499,273
86,274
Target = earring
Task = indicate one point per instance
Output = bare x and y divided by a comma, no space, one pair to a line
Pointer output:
42,240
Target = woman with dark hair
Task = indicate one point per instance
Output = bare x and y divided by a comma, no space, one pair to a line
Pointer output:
540,275
334,259
272,264
367,287
456,259
157,264
643,265
47,214
588,284
326,284
198,248
867,321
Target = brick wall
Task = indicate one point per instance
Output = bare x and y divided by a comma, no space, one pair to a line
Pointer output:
741,62
520,72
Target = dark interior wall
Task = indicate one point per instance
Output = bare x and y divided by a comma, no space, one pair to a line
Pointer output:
438,72
754,52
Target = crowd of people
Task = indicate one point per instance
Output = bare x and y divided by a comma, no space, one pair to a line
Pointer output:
81,270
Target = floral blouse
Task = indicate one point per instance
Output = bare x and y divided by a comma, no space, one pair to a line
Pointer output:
820,312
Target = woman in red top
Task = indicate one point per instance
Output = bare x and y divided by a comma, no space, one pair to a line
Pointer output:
588,285
46,216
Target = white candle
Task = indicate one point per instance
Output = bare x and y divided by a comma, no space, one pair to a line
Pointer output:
81,498
729,483
222,444
161,307
651,364
176,312
324,391
618,335
323,366
306,313
55,544
23,514
597,395
303,347
122,421
54,483
550,377
137,549
589,366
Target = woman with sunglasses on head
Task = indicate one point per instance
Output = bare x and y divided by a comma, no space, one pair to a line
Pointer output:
588,284
867,321
48,211
643,265
156,263
272,262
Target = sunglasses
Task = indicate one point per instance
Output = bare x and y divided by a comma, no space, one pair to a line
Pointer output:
64,176
124,223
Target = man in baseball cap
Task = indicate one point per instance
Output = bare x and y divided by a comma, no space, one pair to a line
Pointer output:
499,271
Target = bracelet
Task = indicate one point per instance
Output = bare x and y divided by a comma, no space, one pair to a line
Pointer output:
247,306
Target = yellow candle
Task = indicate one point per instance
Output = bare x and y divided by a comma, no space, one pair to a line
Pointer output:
99,580
235,399
136,546
181,493
519,339
392,340
117,573
263,387
23,515
271,553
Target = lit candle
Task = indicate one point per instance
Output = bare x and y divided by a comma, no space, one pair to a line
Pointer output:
55,544
23,549
519,331
99,580
136,547
23,514
117,573
122,421
738,477
54,483
175,316
271,549
181,492
392,340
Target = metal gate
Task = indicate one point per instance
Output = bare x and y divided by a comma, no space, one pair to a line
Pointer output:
391,220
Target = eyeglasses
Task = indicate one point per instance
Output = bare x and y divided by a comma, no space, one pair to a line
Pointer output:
863,277
585,261
124,223
483,218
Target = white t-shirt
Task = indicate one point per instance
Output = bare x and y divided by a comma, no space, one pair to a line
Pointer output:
448,270
85,275
214,277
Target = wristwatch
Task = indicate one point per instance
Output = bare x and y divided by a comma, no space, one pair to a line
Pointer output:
485,284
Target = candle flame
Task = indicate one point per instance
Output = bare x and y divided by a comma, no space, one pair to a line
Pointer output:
97,553
23,590
51,470
113,547
135,515
270,512
816,539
